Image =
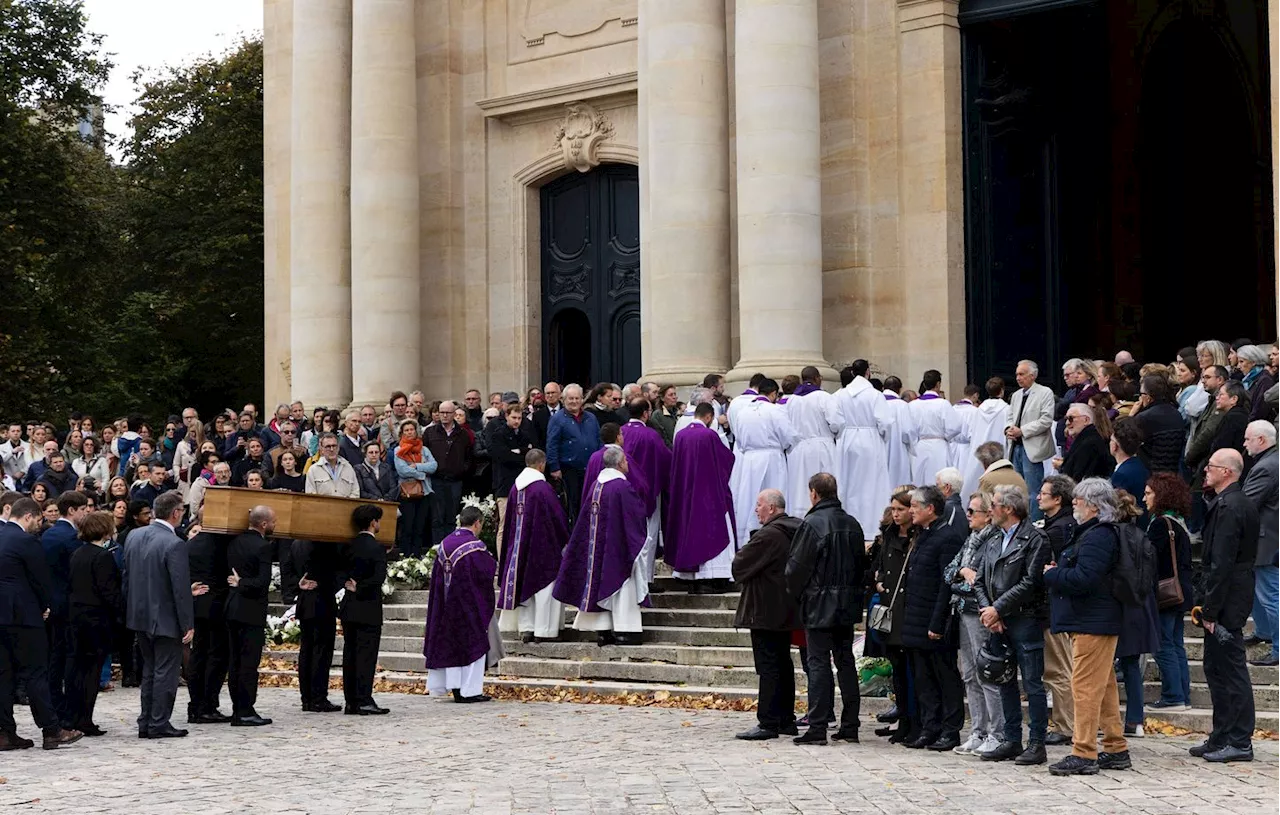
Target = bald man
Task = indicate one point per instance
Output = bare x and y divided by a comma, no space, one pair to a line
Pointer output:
1230,549
249,561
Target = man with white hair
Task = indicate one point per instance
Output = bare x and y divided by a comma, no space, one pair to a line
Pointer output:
817,419
1123,358
949,482
1260,487
572,436
1090,454
602,572
1029,429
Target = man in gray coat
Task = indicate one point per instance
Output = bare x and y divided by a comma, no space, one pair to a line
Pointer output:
1260,486
160,608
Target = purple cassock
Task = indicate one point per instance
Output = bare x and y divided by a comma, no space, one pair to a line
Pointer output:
534,533
647,453
693,529
460,602
606,541
595,465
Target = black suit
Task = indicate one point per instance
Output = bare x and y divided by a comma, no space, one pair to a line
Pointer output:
207,555
25,593
97,601
249,555
317,612
361,614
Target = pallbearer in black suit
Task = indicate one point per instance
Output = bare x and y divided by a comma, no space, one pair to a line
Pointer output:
207,670
364,571
317,611
96,603
249,559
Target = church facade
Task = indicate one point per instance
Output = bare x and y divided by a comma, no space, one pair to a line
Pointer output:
491,193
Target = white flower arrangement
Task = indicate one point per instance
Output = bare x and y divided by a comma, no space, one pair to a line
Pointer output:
284,629
409,573
488,506
275,577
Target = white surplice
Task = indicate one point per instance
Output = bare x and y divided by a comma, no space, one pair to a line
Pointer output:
966,412
899,440
467,679
816,419
988,425
862,480
937,424
762,435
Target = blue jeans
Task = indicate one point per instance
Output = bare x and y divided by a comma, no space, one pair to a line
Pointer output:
1033,473
1027,639
1266,594
1175,676
1131,673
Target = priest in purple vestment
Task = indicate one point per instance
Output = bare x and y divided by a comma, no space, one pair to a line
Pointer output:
460,607
698,538
602,573
534,533
647,456
610,435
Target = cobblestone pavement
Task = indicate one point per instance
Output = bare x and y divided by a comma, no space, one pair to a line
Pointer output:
433,756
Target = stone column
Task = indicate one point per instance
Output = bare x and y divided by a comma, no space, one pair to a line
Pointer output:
320,204
385,339
277,72
931,188
779,188
685,184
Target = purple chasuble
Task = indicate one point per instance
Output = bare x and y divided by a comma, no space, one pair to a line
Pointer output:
693,525
534,533
595,465
460,602
607,539
648,453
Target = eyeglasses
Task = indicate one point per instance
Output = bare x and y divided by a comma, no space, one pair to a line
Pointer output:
972,512
1217,467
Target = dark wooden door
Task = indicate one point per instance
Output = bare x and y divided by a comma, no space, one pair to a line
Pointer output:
591,277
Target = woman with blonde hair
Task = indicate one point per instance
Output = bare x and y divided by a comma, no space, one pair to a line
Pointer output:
1213,352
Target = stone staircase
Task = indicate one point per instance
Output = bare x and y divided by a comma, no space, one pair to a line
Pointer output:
691,649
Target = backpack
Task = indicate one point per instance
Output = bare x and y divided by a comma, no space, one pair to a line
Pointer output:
1133,577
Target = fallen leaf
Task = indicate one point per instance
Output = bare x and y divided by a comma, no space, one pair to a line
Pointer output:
686,724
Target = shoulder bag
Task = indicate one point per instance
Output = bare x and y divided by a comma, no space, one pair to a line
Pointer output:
881,617
1169,590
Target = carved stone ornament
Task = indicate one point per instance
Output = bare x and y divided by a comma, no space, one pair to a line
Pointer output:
579,135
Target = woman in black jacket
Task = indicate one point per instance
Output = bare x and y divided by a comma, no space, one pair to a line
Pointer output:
96,604
1164,433
1168,502
896,540
1089,455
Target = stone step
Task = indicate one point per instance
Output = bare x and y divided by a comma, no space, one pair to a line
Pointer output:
676,600
1258,674
1195,649
632,671
401,612
697,618
1265,697
711,656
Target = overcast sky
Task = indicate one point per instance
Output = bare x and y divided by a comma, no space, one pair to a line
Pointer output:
155,33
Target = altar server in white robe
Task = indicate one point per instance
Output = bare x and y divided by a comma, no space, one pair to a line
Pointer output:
938,426
989,424
817,419
899,437
966,411
762,435
740,402
698,397
862,471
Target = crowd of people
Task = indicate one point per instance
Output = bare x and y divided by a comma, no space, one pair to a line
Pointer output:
1026,535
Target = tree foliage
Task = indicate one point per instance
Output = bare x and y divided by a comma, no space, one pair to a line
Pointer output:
135,287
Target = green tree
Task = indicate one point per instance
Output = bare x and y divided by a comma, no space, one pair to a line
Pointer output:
54,192
194,166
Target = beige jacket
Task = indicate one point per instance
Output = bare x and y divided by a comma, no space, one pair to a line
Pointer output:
1037,422
344,484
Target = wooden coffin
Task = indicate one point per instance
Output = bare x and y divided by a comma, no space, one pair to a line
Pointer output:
298,515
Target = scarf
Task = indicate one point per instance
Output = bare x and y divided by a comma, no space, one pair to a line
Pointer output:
410,450
1253,374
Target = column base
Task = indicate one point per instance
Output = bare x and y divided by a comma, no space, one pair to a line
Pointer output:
683,378
736,381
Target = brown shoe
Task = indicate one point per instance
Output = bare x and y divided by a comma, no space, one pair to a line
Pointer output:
12,741
61,739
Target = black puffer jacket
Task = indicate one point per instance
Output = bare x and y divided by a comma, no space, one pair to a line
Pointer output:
1013,582
1059,528
824,571
928,599
1164,435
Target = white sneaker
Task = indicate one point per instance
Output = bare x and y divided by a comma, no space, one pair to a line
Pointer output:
975,741
988,744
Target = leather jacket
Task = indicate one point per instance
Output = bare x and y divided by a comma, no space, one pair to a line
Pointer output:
969,557
1013,582
826,565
